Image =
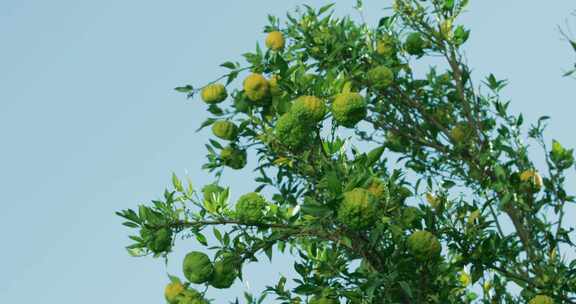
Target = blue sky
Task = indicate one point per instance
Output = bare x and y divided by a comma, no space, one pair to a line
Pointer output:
89,123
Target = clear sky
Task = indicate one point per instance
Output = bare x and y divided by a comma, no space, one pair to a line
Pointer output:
89,123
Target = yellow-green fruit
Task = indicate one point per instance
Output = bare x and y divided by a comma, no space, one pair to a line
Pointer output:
433,201
358,209
292,132
532,177
309,108
414,44
424,245
274,88
541,299
348,109
233,157
256,87
380,77
172,291
459,133
197,267
225,130
210,190
275,41
250,207
161,240
225,273
191,296
214,93
385,47
378,188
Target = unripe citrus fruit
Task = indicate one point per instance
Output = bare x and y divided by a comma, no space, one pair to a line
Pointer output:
533,178
414,44
309,108
191,296
172,291
424,245
348,109
385,46
274,88
378,188
358,209
214,93
256,87
161,240
410,216
275,41
380,77
250,207
225,273
197,267
541,299
225,130
233,157
292,132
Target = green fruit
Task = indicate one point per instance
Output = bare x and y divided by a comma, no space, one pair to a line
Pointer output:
242,105
424,245
414,44
161,240
233,157
378,188
324,300
225,273
385,47
309,108
410,215
250,207
380,77
348,109
191,296
293,132
225,130
214,93
274,87
172,291
210,190
197,267
256,87
275,41
358,210
541,299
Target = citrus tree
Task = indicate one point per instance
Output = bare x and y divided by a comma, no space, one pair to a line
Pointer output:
322,109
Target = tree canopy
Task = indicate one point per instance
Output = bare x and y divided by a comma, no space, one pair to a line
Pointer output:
321,110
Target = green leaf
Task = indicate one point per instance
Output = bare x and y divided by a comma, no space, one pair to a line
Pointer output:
177,183
229,65
201,238
184,89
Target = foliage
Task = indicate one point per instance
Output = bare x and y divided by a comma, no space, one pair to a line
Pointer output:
468,219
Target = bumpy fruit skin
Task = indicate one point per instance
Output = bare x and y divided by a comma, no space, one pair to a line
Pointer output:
348,109
225,130
214,93
309,108
161,240
533,178
197,267
225,273
380,77
250,207
191,296
414,44
424,245
172,291
256,87
541,299
292,132
378,188
275,41
358,209
385,47
233,158
410,216
210,190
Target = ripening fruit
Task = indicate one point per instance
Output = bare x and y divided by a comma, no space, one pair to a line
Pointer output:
358,209
423,245
459,133
225,273
348,109
214,93
233,157
378,188
256,87
275,41
197,267
414,44
532,177
309,108
292,132
172,291
541,299
385,47
432,200
191,296
380,77
210,190
250,207
161,240
225,130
